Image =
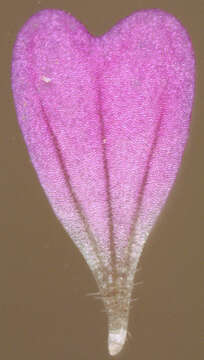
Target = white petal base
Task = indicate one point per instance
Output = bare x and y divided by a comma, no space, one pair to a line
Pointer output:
116,340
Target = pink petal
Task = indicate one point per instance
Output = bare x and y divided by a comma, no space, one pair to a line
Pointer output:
105,121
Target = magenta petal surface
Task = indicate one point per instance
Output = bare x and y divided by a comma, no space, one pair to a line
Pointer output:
105,120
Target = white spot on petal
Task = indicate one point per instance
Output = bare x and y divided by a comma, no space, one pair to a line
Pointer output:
46,79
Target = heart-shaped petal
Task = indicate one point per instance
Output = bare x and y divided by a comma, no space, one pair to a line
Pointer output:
105,120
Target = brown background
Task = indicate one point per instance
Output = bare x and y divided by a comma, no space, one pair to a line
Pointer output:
45,312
